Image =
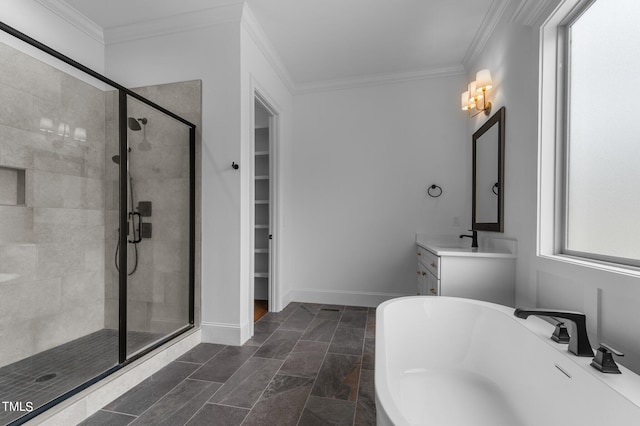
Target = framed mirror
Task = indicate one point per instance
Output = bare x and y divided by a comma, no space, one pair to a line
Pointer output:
488,175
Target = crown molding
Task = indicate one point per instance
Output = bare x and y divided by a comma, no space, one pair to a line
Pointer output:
70,14
185,22
250,23
487,27
378,79
531,12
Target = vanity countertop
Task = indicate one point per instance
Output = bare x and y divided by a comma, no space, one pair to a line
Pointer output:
448,246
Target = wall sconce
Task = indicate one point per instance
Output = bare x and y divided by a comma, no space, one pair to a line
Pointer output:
477,91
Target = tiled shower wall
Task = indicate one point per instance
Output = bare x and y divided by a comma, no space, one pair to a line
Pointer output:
52,245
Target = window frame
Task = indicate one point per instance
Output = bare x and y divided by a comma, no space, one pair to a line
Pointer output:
552,128
564,39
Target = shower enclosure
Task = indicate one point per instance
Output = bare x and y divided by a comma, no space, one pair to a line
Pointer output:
97,226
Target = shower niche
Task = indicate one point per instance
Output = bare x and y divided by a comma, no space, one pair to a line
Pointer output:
12,186
97,223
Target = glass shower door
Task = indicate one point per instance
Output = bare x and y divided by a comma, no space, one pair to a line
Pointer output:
56,328
158,213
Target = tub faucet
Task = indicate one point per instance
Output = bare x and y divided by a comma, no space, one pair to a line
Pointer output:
473,236
579,341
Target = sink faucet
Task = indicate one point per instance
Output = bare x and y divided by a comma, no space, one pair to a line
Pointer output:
579,341
473,236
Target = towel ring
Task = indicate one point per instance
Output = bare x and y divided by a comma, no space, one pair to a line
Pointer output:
495,188
434,191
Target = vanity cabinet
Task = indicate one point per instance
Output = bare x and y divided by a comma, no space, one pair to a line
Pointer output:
428,273
482,275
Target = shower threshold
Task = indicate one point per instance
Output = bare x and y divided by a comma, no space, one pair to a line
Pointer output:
40,378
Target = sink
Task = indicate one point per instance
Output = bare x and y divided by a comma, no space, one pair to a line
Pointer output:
451,246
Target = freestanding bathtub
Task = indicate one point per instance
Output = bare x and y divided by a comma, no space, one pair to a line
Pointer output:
453,361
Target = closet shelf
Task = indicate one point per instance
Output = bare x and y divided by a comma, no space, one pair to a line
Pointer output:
262,177
264,250
262,226
261,153
261,274
262,201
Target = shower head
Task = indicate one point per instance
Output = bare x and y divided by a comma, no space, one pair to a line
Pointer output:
134,123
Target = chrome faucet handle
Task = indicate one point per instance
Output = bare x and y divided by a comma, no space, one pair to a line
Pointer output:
603,361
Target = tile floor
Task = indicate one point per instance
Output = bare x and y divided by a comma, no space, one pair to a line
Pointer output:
47,375
310,364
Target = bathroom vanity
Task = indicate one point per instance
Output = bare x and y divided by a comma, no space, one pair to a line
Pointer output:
451,268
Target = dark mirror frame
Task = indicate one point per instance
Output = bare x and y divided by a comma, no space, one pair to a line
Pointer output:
498,119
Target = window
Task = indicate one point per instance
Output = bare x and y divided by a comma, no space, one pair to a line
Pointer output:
601,191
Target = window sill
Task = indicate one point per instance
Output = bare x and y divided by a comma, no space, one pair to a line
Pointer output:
627,270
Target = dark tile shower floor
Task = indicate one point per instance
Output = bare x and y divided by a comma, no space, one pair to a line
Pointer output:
51,373
307,365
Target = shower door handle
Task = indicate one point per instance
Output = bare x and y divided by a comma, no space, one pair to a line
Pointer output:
137,239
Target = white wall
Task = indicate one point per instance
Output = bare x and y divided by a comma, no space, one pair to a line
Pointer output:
363,159
40,23
609,299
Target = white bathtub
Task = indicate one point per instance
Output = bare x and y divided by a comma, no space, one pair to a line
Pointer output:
452,361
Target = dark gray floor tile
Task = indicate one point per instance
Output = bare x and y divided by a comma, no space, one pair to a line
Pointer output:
282,315
314,308
370,332
299,320
218,415
224,364
262,330
107,418
305,359
372,313
324,412
338,377
279,344
281,403
320,330
339,308
354,319
247,384
369,355
347,340
224,382
332,312
179,405
366,406
201,353
147,393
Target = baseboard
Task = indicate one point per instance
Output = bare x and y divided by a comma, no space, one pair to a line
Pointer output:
336,297
224,334
286,299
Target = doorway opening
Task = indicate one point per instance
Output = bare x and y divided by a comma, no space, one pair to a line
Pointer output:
263,205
